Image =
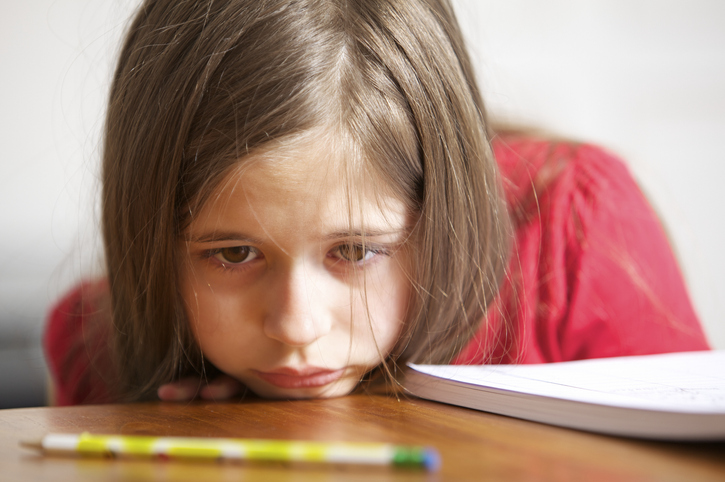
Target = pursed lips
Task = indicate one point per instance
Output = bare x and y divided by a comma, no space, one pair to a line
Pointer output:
305,377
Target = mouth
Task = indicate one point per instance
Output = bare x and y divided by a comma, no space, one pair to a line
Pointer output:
300,378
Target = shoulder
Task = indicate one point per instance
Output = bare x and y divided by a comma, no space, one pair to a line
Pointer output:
578,189
532,166
86,293
79,303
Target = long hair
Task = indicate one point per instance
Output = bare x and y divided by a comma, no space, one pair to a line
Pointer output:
201,84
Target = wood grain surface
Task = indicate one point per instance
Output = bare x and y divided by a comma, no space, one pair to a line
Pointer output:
473,445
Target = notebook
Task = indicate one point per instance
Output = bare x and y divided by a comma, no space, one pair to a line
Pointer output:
676,396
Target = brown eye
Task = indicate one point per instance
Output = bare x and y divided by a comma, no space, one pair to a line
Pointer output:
236,254
351,252
355,253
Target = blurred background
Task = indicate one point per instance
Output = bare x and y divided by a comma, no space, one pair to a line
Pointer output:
643,78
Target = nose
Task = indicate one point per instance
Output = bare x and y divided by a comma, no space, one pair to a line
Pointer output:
298,310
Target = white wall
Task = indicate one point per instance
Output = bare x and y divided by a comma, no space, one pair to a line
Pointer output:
644,78
56,61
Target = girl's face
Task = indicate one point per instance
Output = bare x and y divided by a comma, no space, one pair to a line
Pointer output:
278,287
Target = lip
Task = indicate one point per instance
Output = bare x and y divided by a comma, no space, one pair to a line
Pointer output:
307,377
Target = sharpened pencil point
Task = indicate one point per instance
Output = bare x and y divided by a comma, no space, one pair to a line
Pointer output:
32,444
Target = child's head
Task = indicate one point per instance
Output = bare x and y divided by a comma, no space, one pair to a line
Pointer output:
296,184
290,285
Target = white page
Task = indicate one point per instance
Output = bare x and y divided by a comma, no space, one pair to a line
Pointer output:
691,382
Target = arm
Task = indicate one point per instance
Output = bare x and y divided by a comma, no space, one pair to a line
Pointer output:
75,342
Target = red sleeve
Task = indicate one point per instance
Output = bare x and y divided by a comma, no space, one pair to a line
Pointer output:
76,347
592,274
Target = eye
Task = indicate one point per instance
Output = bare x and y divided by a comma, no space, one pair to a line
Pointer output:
235,254
355,253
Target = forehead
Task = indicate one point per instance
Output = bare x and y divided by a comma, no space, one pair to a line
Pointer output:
306,185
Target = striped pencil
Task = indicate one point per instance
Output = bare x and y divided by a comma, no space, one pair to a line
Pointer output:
424,458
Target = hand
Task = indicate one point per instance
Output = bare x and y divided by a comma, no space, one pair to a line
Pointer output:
221,388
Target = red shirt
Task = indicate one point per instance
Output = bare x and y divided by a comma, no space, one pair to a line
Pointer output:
76,346
592,275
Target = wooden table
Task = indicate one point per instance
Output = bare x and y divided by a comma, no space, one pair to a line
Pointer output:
473,445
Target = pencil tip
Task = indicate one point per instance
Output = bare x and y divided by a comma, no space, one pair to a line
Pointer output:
31,444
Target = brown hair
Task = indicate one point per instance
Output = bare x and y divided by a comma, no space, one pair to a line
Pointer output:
201,84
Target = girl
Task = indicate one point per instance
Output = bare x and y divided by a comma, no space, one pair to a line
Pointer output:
301,196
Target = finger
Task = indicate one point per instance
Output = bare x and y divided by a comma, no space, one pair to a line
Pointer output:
180,391
221,388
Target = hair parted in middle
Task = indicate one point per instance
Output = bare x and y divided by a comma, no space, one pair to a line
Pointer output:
200,85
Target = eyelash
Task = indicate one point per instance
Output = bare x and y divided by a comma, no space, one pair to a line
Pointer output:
212,254
335,253
368,249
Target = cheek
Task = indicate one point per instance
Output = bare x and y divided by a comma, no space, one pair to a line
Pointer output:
207,309
195,303
198,307
213,317
387,302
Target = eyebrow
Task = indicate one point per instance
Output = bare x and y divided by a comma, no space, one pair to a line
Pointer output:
217,236
222,236
368,233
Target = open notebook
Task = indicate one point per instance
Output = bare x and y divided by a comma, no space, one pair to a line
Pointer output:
676,396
